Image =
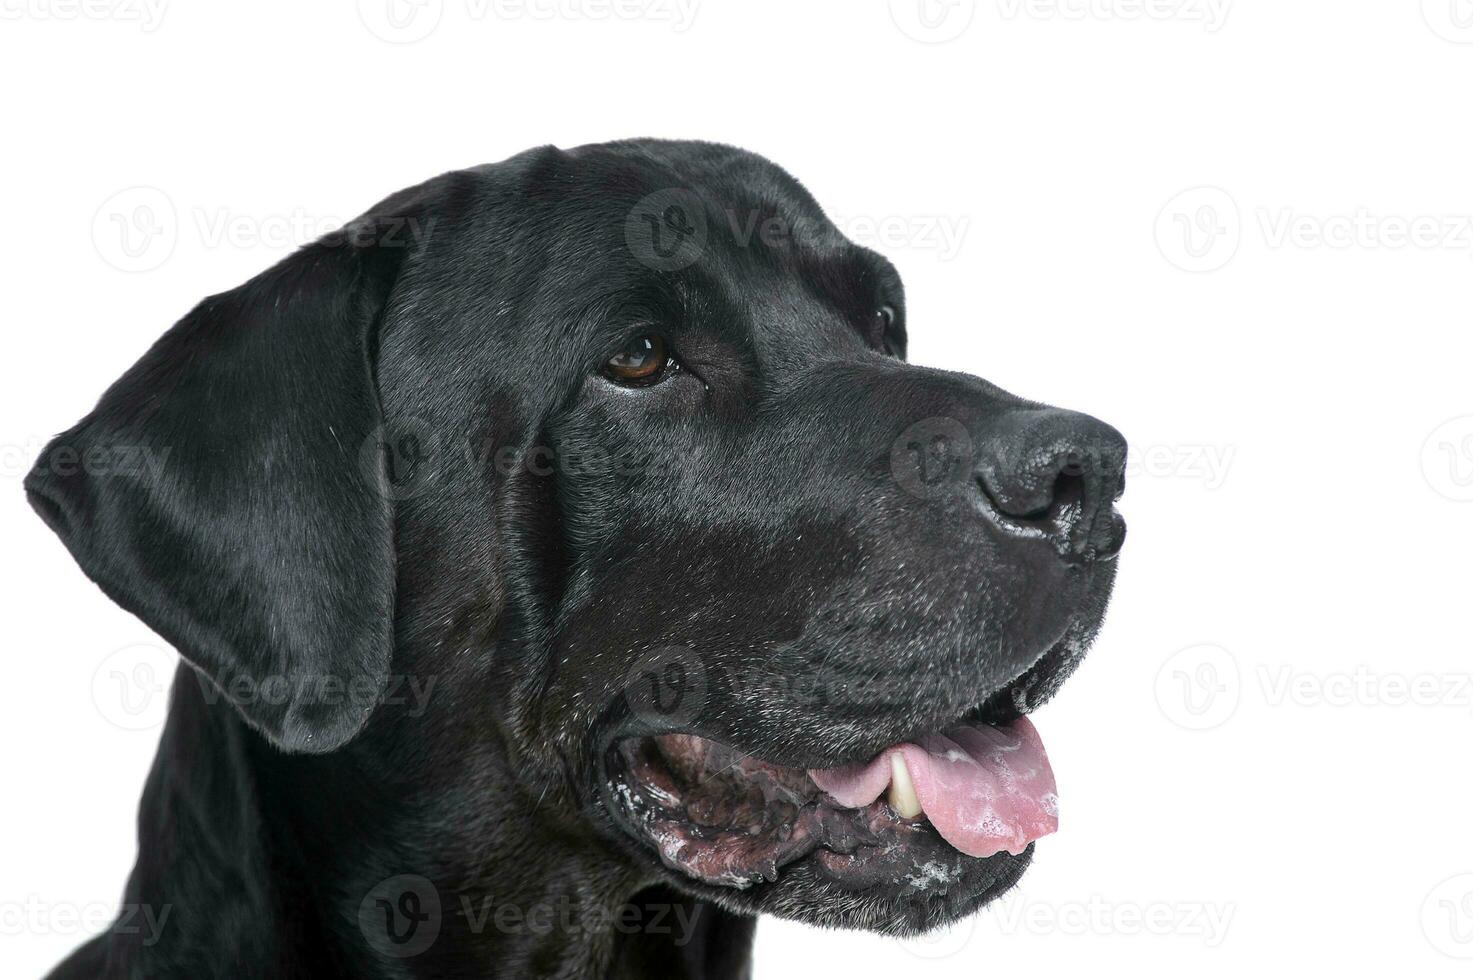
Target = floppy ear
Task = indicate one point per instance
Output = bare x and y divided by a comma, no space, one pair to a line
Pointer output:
220,491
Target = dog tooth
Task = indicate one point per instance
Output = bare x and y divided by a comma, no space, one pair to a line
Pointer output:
902,793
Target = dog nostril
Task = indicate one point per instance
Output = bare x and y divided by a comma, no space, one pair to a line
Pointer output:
1057,473
1069,496
1059,507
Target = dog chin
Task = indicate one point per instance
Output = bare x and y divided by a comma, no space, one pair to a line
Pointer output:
899,900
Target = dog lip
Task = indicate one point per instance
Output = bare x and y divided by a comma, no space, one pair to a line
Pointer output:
726,818
852,832
1001,705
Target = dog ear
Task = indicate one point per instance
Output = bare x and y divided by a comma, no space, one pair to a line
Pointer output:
229,490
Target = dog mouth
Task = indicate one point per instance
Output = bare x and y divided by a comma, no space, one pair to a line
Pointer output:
923,811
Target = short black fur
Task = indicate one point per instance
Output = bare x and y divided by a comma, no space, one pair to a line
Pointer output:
413,546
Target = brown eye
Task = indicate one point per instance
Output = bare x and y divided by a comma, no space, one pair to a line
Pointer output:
644,361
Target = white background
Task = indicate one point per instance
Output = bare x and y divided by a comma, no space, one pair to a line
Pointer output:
1239,232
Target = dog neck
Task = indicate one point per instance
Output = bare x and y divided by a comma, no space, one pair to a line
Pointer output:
265,864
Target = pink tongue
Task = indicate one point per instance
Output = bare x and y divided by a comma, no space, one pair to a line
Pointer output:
985,788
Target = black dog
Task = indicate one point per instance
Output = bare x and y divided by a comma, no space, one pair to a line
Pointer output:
529,538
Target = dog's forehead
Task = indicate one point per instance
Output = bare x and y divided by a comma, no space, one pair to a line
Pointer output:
575,236
527,281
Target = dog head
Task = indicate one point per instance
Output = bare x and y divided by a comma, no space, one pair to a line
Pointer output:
620,446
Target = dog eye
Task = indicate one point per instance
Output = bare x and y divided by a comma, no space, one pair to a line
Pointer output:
643,361
882,329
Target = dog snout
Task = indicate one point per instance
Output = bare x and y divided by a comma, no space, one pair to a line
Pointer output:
1057,473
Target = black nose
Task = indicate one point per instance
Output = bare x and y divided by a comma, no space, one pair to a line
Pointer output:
1056,473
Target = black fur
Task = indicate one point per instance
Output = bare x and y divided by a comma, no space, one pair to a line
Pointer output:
413,547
